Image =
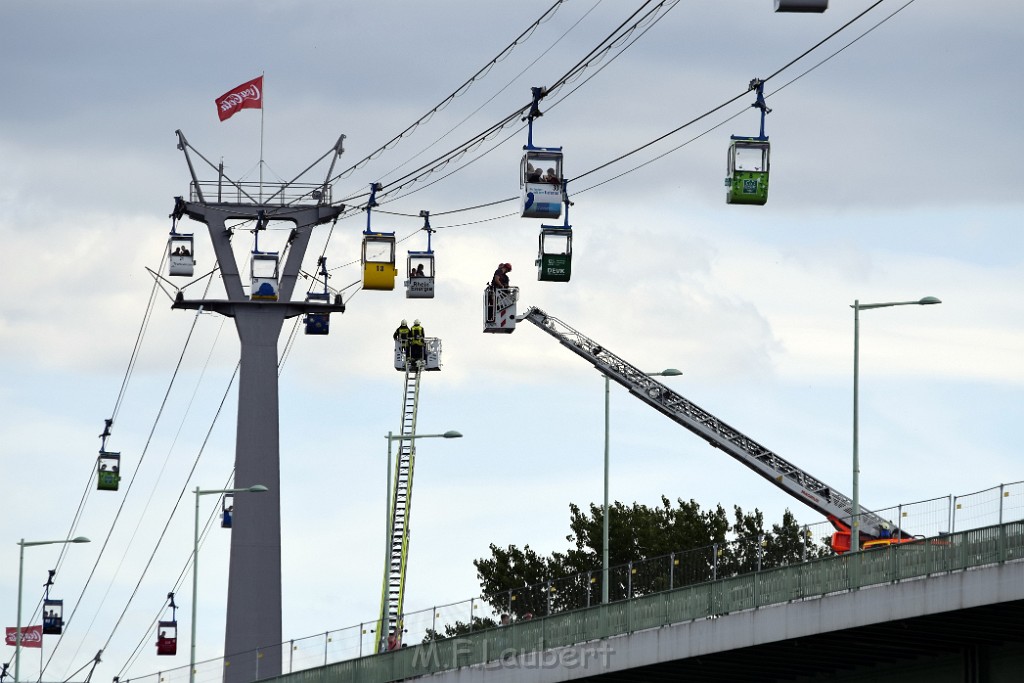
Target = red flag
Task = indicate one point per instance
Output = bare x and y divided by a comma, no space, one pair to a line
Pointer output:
249,95
31,636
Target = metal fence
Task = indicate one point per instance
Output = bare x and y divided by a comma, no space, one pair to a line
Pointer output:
732,565
276,194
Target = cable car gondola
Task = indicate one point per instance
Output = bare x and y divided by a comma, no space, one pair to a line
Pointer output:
179,255
540,172
748,160
108,471
167,631
108,464
420,266
378,256
180,259
227,510
801,5
264,267
319,323
554,256
53,610
264,276
53,617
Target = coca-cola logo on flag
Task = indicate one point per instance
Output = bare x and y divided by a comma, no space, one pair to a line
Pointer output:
31,636
249,95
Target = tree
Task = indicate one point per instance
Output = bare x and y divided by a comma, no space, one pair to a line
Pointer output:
516,581
651,549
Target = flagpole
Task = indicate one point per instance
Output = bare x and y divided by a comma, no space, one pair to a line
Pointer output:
263,101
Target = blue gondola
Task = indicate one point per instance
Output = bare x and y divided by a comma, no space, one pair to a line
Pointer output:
227,510
420,266
167,631
319,323
748,160
53,617
53,610
540,171
378,255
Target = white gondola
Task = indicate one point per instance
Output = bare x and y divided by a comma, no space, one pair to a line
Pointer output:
420,266
264,276
500,309
540,171
433,350
180,258
540,179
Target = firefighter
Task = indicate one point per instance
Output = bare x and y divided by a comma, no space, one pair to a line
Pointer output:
402,337
417,342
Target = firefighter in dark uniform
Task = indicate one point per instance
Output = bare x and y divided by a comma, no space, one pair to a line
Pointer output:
402,337
417,342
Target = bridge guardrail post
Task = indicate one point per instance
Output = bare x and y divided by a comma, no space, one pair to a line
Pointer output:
1002,494
1002,536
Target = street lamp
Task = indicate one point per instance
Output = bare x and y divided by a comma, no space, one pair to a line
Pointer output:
21,571
857,308
667,372
256,488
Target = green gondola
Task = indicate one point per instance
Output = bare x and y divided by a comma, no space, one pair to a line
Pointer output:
108,471
747,163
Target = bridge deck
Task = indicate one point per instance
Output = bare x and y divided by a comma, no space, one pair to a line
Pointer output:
959,596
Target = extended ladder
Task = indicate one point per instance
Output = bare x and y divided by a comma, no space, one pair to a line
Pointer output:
837,507
393,591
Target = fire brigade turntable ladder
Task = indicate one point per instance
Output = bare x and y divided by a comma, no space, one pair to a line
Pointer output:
836,507
393,591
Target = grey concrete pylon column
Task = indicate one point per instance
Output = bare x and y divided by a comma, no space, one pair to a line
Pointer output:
252,640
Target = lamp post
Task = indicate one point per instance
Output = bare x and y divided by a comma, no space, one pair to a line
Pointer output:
857,308
256,488
668,372
21,572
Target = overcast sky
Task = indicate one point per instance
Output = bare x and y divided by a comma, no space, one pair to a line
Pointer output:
891,180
